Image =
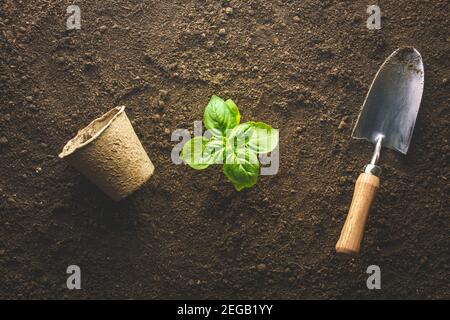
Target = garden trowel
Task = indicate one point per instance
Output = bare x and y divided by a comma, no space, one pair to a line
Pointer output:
387,119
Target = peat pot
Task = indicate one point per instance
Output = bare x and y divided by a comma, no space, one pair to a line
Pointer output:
109,153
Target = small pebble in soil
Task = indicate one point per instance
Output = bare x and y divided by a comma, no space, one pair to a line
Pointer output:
172,66
229,11
261,267
210,44
3,141
89,66
296,19
33,107
343,123
222,31
163,93
60,60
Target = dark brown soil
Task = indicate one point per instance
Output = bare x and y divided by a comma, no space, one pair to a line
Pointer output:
302,66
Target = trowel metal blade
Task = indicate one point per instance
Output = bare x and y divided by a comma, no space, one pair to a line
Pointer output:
393,101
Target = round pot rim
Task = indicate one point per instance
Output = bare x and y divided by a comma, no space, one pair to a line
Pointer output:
72,145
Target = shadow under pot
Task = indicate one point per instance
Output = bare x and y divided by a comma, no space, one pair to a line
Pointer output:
109,154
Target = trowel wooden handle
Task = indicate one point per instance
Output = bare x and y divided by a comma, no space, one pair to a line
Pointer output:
352,233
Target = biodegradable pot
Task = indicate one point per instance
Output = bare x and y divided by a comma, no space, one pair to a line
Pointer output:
109,153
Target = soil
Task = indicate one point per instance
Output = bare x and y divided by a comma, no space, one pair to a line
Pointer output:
301,66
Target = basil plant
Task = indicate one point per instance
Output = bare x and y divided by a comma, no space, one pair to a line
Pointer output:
231,143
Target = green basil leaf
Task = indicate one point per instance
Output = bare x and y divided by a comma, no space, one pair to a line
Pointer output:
215,133
257,136
242,175
193,153
221,115
264,138
234,111
215,150
242,168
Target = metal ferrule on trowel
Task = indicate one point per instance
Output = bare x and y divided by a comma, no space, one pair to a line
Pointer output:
373,167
